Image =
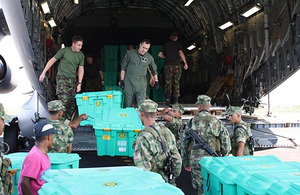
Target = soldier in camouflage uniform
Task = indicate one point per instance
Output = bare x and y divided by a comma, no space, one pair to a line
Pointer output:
174,121
172,53
71,59
212,131
241,133
148,153
63,140
3,117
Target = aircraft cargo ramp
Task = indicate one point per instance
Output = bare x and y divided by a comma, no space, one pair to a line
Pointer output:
267,132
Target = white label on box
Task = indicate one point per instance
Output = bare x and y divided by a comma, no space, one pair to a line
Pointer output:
122,143
122,149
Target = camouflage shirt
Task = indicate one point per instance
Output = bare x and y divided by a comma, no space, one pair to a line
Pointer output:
148,153
212,131
241,133
175,127
61,141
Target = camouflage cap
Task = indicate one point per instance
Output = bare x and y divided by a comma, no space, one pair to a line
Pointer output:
203,100
148,106
234,109
2,113
56,105
178,107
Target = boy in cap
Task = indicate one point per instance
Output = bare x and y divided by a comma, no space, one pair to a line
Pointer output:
62,141
37,160
212,131
241,133
174,121
148,152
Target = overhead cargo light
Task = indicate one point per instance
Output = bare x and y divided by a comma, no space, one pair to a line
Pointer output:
226,25
52,22
251,11
188,2
76,1
191,47
45,7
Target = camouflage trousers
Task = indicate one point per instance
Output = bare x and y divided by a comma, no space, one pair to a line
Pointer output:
66,91
1,183
172,75
197,180
91,85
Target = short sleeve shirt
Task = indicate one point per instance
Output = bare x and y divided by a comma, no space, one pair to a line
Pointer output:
69,62
171,52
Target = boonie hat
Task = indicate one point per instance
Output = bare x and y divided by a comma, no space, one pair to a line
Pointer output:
178,107
203,100
43,128
148,106
56,105
2,113
233,109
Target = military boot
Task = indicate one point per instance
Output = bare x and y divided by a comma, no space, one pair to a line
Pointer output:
168,99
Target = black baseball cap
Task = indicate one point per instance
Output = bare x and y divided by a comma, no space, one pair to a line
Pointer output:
43,128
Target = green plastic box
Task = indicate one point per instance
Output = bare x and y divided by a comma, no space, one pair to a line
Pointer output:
110,65
112,88
58,161
160,65
154,51
260,183
123,51
94,103
158,95
110,52
107,180
284,189
219,173
110,78
116,132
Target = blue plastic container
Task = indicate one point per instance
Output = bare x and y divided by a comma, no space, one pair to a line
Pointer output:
107,180
219,173
94,103
58,161
260,183
116,132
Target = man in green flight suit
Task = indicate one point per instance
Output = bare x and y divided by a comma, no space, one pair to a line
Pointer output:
212,131
148,152
241,134
133,78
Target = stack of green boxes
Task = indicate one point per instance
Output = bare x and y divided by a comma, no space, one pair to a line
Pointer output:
158,95
248,175
110,64
106,180
115,128
58,161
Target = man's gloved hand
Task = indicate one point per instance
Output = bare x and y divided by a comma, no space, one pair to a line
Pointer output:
156,85
102,82
122,84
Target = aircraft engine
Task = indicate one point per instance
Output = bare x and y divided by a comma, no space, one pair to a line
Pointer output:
7,83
